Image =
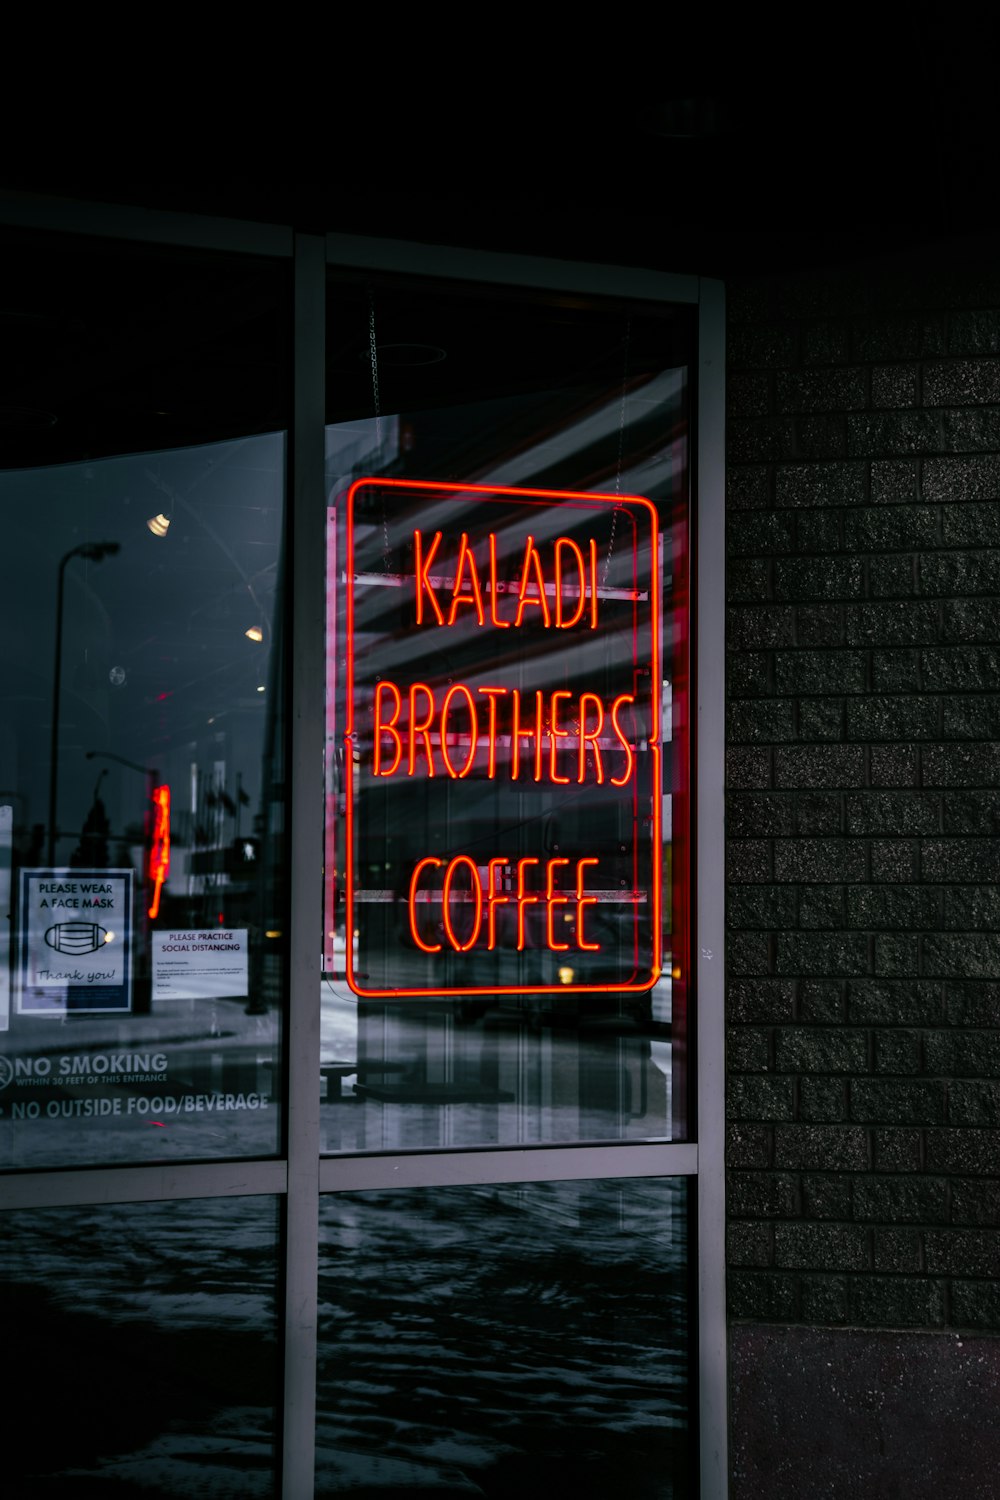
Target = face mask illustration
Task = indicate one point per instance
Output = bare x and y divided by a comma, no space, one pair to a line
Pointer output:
76,937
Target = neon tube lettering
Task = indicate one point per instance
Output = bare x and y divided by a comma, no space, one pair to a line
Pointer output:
386,726
581,602
421,568
412,905
590,738
470,703
494,587
593,584
523,898
477,902
581,902
517,734
629,757
421,729
494,897
466,556
492,694
552,901
555,735
532,561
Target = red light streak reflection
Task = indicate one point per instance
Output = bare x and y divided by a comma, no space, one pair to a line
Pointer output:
159,855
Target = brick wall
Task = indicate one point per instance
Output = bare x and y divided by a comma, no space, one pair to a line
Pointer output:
864,798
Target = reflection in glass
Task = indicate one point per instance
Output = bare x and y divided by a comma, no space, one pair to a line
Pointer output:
140,1349
524,1341
505,955
141,839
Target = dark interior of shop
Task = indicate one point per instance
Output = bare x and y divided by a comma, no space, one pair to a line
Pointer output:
777,160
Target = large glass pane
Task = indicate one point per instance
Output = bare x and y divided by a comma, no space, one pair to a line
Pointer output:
141,756
506,1341
140,1344
506,878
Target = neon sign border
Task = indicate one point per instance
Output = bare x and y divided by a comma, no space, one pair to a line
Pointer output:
581,499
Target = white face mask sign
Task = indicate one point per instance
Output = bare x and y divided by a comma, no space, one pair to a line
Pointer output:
74,941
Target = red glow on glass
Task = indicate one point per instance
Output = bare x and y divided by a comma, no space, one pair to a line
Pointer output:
159,854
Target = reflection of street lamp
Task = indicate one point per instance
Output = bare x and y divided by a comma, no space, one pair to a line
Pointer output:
93,552
133,765
149,771
159,797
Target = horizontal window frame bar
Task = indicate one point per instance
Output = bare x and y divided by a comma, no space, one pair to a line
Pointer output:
341,1174
155,226
417,1169
143,1184
500,268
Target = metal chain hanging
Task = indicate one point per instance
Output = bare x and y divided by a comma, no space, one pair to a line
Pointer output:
373,355
373,351
621,450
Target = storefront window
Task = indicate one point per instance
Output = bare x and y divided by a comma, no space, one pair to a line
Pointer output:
346,850
506,884
141,754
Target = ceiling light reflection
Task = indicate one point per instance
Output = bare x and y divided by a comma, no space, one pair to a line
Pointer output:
254,633
159,524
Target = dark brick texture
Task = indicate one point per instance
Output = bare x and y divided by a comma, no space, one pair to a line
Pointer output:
864,1415
863,822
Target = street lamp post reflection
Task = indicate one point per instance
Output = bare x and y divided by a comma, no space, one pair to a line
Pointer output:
93,552
152,776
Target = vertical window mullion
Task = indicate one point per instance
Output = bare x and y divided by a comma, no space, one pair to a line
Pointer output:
708,756
304,600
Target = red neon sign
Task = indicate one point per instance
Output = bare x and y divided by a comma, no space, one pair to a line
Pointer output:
520,587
